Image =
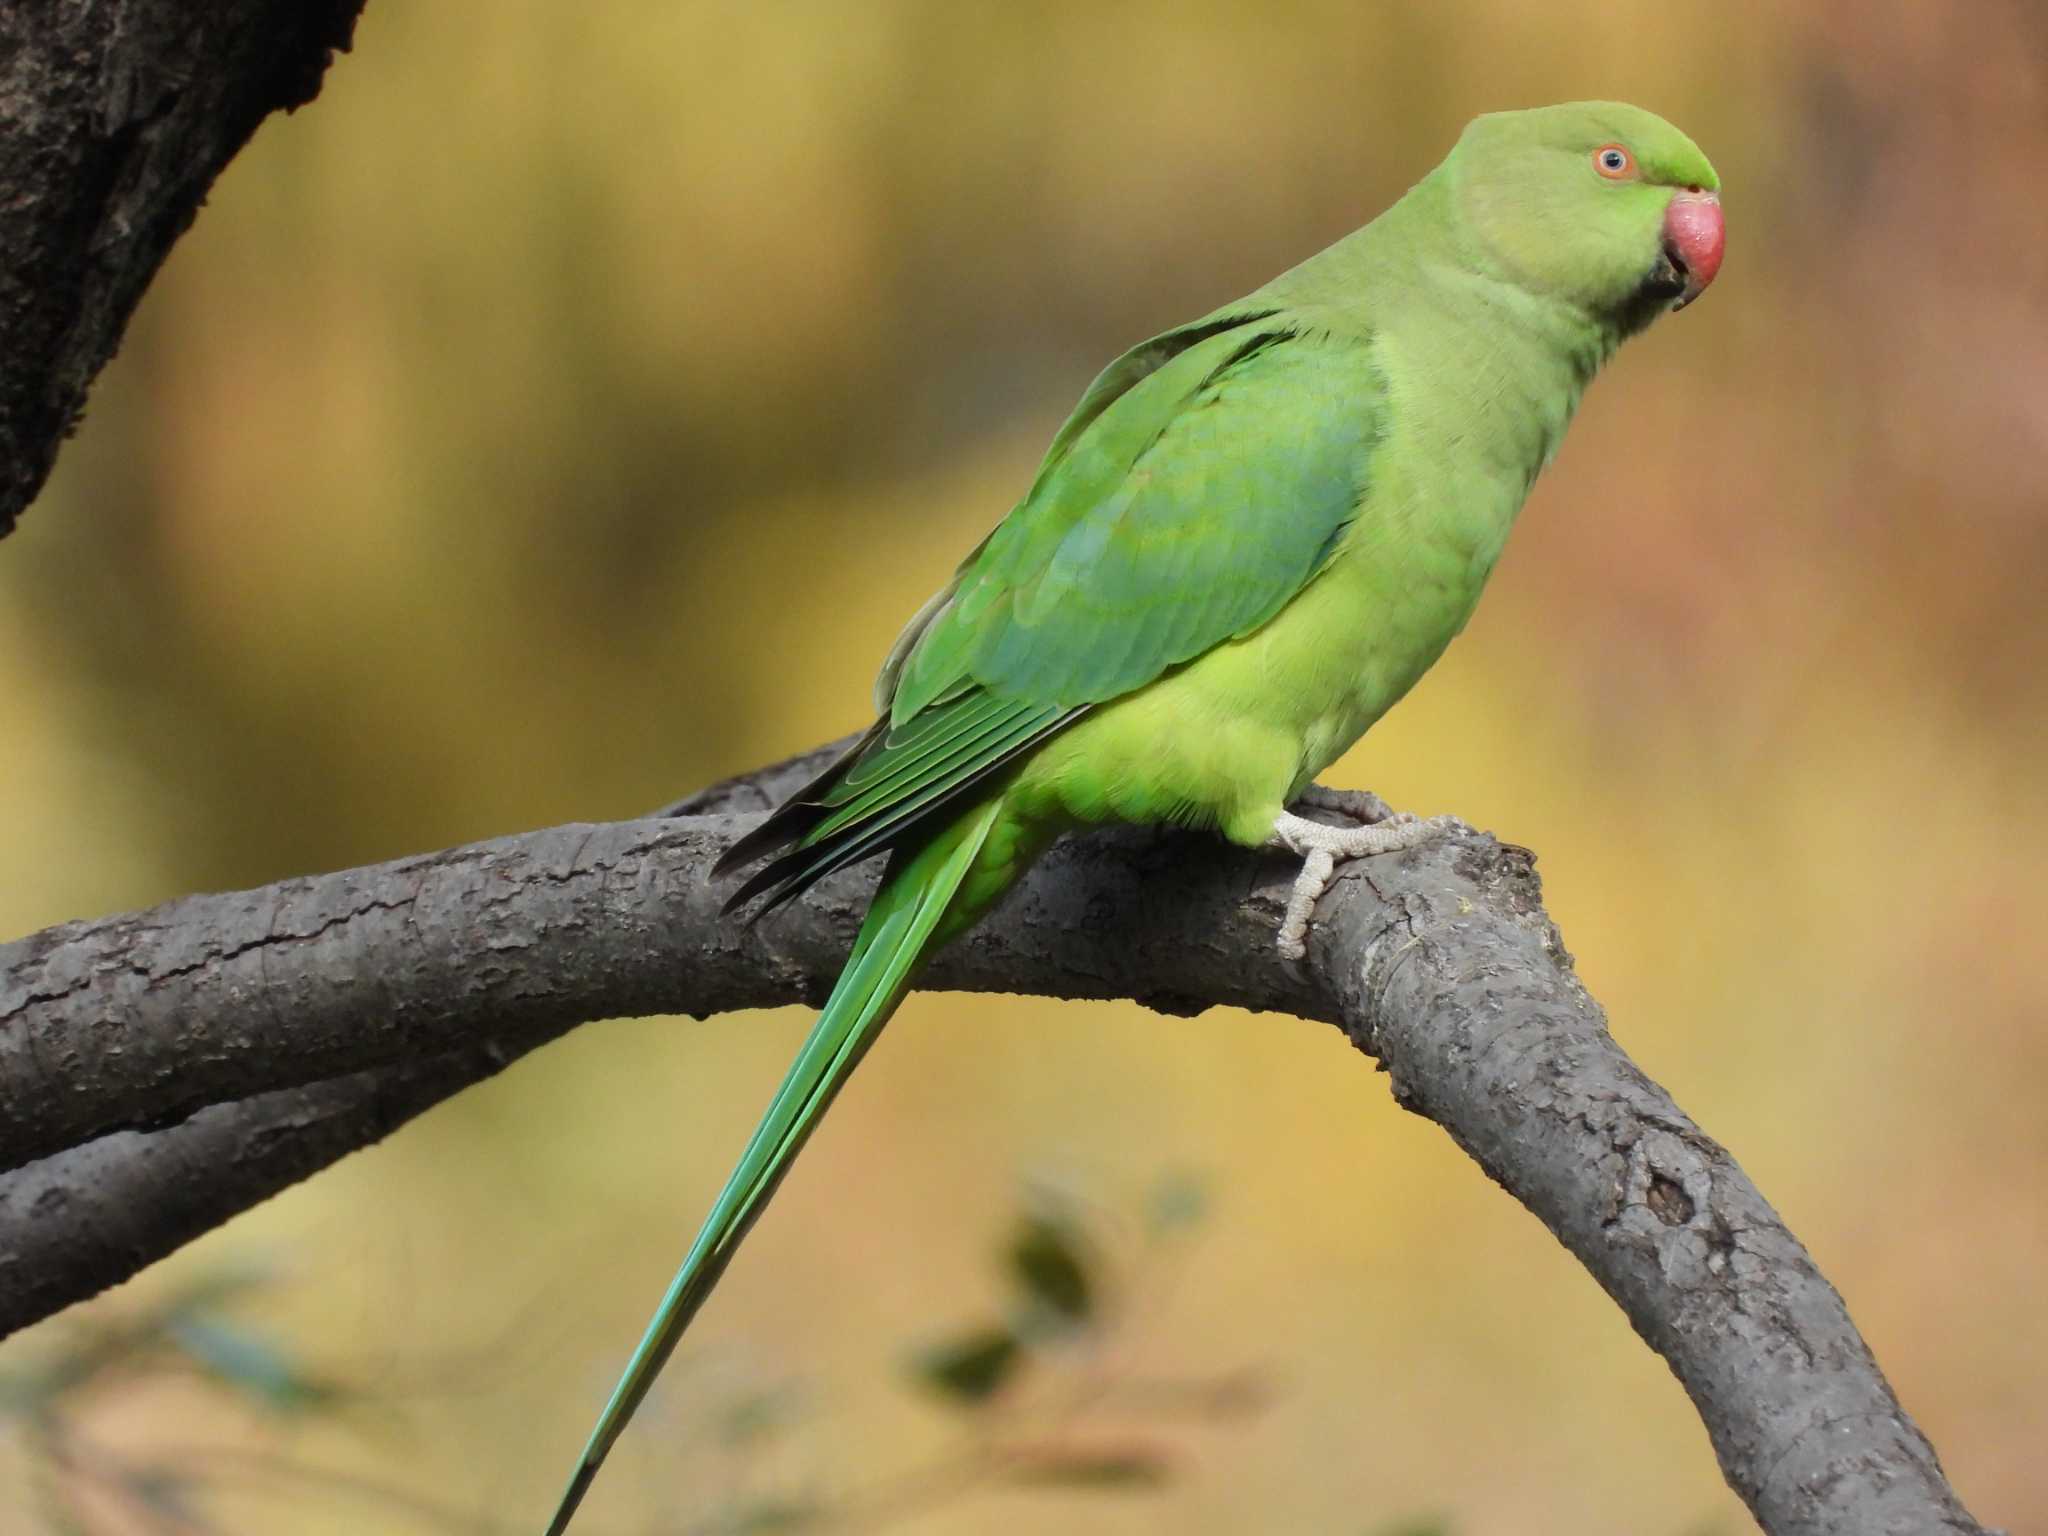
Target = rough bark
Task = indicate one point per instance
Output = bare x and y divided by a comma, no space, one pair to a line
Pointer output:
293,1023
115,118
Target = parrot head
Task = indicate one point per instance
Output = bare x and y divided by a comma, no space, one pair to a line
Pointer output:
1593,201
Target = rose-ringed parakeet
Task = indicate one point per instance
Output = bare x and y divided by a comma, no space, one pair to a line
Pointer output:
1252,536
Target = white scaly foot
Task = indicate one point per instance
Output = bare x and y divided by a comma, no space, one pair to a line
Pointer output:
1322,845
1361,805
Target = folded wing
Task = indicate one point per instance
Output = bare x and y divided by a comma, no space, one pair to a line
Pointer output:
1203,481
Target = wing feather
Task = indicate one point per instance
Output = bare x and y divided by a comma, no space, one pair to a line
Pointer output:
1205,478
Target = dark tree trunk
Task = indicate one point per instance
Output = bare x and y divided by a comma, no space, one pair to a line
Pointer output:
115,118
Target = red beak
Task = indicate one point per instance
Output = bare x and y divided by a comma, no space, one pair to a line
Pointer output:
1693,237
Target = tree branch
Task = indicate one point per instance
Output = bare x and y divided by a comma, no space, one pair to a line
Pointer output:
296,1022
96,1214
119,114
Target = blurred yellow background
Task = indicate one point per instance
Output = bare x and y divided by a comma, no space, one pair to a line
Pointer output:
565,410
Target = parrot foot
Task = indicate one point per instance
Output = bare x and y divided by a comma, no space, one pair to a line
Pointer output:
1322,845
1361,805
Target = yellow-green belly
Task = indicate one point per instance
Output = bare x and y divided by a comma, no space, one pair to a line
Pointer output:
1230,738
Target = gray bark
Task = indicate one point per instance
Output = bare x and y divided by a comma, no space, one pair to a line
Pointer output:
293,1023
115,117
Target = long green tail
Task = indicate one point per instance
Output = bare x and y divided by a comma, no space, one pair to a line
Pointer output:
913,899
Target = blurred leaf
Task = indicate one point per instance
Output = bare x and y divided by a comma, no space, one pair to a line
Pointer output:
1179,1200
973,1366
167,1494
1422,1525
755,1414
213,1290
249,1363
1081,1466
1048,1259
771,1515
23,1392
90,1351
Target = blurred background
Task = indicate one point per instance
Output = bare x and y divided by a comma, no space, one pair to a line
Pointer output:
566,409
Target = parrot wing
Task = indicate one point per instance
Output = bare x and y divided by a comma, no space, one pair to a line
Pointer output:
1203,481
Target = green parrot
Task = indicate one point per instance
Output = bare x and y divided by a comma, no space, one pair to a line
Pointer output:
1252,536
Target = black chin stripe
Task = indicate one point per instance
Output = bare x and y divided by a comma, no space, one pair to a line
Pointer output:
1661,283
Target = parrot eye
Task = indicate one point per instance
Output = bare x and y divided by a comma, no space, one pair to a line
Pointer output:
1614,162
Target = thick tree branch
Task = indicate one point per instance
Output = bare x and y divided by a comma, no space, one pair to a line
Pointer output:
296,1022
118,116
101,1211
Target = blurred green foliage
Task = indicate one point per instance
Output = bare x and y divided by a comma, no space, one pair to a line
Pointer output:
1095,1421
84,1487
567,408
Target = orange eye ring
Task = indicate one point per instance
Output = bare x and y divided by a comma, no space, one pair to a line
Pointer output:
1614,162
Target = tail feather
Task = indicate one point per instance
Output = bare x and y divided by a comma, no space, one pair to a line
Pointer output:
914,898
799,811
787,875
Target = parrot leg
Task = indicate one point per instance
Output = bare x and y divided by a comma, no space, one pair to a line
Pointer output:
1322,845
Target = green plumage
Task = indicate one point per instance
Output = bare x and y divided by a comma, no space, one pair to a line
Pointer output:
1176,517
1250,539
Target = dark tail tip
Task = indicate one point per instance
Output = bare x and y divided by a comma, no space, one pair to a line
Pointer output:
579,1485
